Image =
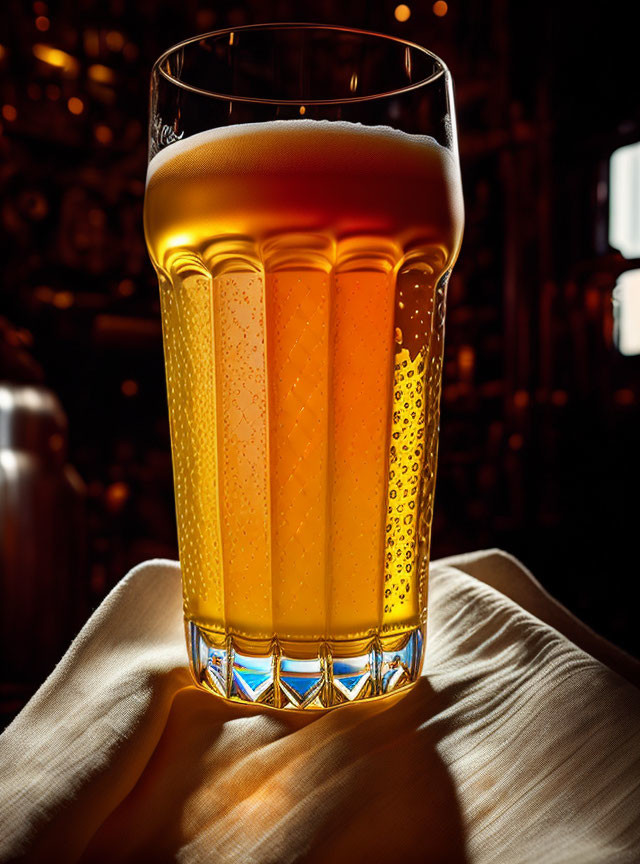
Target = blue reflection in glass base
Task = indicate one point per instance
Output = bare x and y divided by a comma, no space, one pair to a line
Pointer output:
335,675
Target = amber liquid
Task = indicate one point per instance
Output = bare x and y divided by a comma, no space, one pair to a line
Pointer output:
302,269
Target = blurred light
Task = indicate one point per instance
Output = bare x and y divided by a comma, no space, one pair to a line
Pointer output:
114,40
624,200
96,217
559,398
53,92
626,313
43,294
30,397
9,461
353,83
98,578
230,38
402,12
129,387
9,113
521,398
34,91
516,441
35,204
450,393
40,8
3,52
624,397
466,360
440,8
130,51
126,288
101,74
6,399
116,496
205,19
303,110
103,134
394,110
56,442
55,57
91,43
62,299
75,105
592,300
42,23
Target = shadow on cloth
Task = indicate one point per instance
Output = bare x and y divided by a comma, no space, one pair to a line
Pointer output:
229,783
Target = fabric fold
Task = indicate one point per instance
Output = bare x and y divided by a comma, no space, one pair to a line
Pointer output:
520,742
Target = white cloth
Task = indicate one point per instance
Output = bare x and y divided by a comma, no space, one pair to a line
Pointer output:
515,745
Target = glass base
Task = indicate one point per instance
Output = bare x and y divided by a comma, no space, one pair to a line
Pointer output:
336,673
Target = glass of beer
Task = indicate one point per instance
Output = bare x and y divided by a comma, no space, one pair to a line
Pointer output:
303,212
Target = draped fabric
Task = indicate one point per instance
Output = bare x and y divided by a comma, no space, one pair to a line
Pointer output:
520,743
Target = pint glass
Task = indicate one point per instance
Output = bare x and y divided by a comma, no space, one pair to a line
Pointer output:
303,211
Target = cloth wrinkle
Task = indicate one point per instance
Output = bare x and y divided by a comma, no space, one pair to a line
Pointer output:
519,743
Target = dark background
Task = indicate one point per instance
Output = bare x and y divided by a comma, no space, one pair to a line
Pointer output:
540,413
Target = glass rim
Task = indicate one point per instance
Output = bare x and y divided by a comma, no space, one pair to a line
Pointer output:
440,72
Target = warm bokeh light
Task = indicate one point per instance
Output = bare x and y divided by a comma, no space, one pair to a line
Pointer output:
56,442
624,397
521,398
440,8
116,496
42,23
129,387
91,43
114,40
205,20
9,113
130,51
592,299
559,398
43,294
126,288
101,74
516,441
62,299
75,105
55,57
103,134
3,52
303,110
466,360
53,92
402,12
40,8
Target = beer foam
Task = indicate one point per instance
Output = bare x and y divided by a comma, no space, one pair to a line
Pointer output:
307,145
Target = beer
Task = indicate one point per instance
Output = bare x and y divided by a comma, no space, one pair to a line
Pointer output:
302,268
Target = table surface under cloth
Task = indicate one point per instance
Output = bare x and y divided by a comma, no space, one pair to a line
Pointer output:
520,743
